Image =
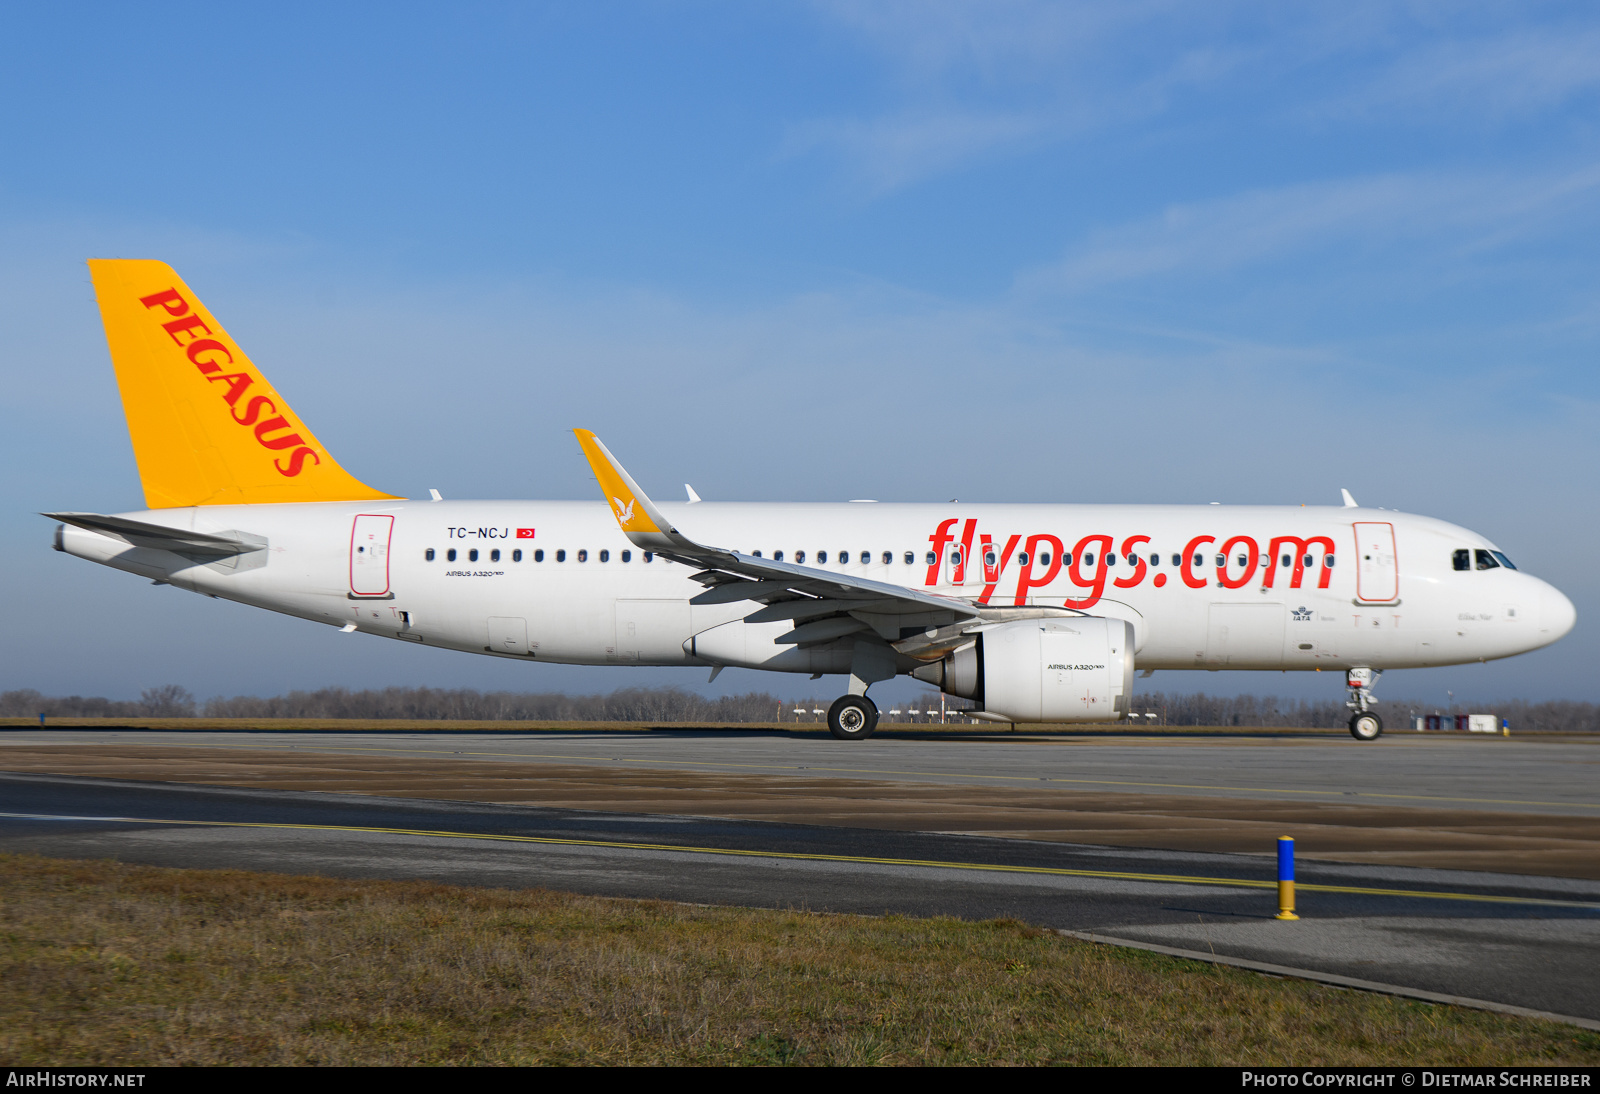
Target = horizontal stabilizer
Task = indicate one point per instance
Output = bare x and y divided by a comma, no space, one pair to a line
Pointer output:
156,537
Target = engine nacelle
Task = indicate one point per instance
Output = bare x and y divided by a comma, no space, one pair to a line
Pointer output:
1044,670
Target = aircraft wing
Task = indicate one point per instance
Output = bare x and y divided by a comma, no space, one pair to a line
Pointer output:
157,537
823,605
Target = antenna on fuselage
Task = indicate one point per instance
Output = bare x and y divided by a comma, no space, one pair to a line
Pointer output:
1349,502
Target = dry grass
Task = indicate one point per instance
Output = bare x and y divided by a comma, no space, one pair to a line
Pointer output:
111,964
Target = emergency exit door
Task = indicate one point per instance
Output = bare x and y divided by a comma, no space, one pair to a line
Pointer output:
369,555
1377,570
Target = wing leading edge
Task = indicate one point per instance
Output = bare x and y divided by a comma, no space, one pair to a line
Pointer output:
824,606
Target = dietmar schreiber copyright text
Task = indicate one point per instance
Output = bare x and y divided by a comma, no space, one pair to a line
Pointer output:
1423,1077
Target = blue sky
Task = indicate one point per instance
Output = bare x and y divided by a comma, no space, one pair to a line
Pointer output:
1245,252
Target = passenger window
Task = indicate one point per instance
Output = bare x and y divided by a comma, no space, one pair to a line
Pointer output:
428,554
516,555
494,555
1244,560
1177,560
777,556
1504,561
1066,559
1486,560
472,555
1222,560
988,558
1044,558
649,556
1288,560
1155,560
1462,559
605,555
561,555
1088,560
538,555
1200,560
800,558
1111,560
755,554
888,557
911,558
955,558
931,560
1309,560
450,555
866,557
1022,558
627,556
822,558
583,554
1327,561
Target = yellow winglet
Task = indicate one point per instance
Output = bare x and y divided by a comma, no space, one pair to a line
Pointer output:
207,427
635,513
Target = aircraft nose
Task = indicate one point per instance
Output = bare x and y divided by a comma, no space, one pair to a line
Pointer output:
1556,614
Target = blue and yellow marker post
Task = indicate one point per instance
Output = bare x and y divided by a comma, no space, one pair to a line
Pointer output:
1286,878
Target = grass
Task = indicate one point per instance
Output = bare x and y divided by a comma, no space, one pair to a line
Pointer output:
110,964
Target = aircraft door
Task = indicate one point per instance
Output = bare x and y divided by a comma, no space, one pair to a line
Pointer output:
1377,567
369,555
508,634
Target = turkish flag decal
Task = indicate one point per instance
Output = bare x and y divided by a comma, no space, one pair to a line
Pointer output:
524,533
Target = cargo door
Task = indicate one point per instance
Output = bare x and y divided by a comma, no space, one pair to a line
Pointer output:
1377,569
1245,635
651,630
508,634
369,555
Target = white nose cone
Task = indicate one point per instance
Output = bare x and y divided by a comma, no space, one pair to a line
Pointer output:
1556,614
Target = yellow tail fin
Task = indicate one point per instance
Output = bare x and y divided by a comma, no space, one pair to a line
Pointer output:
208,429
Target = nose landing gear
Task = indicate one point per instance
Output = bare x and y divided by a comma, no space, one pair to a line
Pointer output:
1365,725
852,717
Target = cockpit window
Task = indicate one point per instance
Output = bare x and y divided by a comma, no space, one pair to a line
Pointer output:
1504,561
1462,559
1486,560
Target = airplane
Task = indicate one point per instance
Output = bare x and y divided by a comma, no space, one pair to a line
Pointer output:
1036,613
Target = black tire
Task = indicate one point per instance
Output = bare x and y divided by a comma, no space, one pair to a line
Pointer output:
1366,727
852,717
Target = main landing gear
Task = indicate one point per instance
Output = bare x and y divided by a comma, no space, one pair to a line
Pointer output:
852,717
1365,725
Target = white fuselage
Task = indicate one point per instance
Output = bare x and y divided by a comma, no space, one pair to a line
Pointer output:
1393,596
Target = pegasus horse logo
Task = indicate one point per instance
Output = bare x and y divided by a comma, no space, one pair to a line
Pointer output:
624,512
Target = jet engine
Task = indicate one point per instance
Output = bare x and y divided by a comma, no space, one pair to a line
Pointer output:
1043,670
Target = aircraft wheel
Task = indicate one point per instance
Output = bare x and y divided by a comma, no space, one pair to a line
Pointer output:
852,717
1366,727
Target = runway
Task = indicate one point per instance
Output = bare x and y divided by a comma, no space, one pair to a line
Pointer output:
1525,941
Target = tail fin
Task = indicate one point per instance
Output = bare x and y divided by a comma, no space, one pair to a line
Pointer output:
207,427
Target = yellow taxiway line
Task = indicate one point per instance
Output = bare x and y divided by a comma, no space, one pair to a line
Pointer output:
802,856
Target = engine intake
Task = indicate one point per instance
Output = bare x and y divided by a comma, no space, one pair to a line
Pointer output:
1043,670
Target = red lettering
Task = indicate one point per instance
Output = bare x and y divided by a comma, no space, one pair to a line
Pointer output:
991,573
297,460
237,382
1135,560
277,442
1301,546
202,345
178,326
252,412
959,577
1096,582
1025,578
939,539
1189,577
169,299
1243,579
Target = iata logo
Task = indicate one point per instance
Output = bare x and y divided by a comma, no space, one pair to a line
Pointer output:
209,355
